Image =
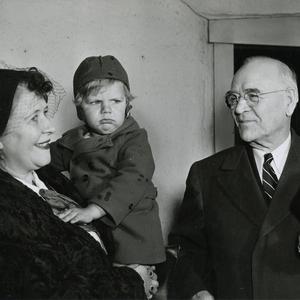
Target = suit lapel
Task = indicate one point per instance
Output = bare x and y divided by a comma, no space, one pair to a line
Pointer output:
287,188
238,181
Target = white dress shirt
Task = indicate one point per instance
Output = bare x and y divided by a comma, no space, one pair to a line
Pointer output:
279,157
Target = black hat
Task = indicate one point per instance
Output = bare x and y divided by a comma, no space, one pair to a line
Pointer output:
98,67
9,80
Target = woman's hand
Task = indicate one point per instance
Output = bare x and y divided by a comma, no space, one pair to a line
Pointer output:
82,215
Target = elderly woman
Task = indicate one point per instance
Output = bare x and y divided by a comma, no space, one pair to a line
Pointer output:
40,255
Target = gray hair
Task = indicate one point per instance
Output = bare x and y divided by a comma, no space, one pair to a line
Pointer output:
287,74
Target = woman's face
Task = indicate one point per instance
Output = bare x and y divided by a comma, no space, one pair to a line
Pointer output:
25,142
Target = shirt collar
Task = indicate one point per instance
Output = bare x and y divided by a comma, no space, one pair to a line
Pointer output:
38,184
279,157
280,154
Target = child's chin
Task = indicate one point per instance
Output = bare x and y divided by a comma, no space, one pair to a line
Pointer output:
107,129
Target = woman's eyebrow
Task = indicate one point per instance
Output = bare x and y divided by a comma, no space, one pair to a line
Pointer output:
32,113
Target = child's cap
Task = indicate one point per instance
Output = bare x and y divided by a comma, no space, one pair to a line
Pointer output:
99,67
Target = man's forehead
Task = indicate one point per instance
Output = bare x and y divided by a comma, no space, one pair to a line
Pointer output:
257,75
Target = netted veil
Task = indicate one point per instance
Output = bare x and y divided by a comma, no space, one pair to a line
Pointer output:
20,109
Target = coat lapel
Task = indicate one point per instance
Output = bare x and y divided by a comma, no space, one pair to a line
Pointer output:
287,188
74,140
241,186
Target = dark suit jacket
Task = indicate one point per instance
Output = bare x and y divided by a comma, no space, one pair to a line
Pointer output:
229,241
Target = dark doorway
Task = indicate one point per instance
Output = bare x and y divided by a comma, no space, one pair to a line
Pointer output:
288,55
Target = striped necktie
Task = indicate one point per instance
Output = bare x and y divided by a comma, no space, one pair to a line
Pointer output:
269,177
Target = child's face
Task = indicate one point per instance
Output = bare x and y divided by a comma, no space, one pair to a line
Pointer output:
104,109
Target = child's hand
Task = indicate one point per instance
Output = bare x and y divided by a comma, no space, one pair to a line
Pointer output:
82,215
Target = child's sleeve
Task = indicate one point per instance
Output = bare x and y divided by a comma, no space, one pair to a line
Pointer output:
133,180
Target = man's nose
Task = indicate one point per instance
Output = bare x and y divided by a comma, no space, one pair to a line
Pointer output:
242,106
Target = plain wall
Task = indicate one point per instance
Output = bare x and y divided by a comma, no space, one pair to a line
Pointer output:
163,46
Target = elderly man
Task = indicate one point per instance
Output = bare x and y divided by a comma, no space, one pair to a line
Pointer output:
236,234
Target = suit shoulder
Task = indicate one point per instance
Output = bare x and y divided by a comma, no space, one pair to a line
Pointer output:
215,160
295,139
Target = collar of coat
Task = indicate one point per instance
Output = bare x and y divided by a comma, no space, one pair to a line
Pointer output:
239,182
75,135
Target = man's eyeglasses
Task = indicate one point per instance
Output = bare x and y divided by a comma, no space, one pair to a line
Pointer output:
251,96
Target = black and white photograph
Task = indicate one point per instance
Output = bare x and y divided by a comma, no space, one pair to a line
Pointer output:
149,149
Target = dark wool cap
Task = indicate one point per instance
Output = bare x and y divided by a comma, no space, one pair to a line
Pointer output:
9,80
98,67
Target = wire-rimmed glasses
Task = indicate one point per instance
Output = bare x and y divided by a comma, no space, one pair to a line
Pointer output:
251,96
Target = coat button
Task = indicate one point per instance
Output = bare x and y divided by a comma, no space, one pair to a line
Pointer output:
92,166
130,206
85,178
102,171
75,161
107,196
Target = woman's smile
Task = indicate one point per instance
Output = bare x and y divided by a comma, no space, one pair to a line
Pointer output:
44,145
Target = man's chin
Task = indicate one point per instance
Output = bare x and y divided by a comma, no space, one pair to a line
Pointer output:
246,136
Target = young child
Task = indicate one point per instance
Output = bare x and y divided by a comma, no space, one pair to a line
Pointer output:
110,163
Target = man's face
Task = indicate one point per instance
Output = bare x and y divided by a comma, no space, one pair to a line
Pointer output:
267,123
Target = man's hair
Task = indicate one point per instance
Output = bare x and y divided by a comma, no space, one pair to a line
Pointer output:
96,85
287,74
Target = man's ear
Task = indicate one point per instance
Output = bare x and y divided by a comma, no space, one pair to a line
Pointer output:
292,102
1,150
